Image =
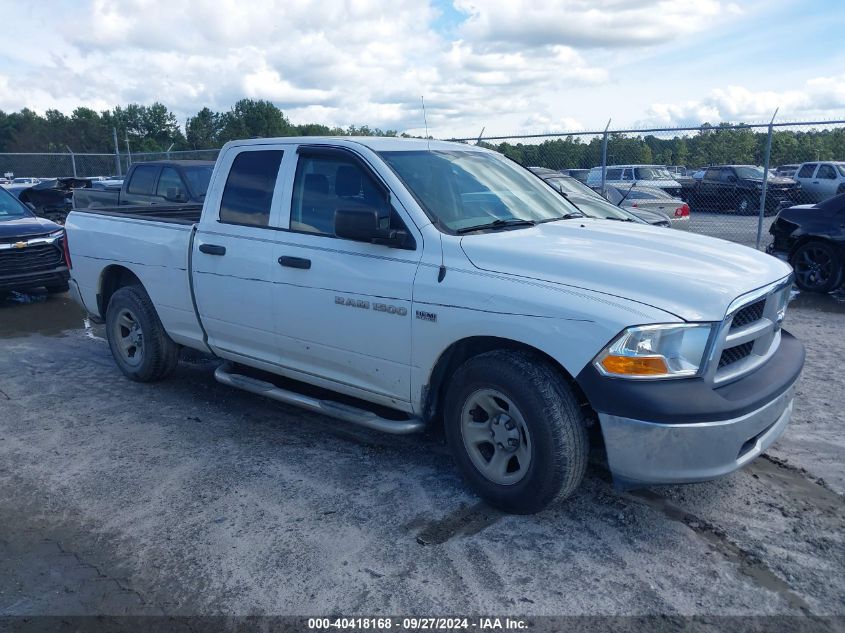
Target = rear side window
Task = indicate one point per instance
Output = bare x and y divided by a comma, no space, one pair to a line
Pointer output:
807,170
613,174
143,179
712,174
248,193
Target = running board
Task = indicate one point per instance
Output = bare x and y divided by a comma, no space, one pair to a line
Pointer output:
337,410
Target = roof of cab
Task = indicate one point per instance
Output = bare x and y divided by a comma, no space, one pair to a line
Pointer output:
375,143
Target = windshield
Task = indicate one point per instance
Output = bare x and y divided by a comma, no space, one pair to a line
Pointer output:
570,185
752,173
11,208
198,178
464,189
598,208
840,167
653,173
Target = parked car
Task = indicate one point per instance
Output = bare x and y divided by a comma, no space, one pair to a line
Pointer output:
405,282
821,180
578,174
591,204
648,199
811,237
738,188
158,182
787,171
25,181
31,249
50,198
656,176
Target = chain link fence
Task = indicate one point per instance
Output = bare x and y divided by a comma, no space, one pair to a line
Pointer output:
725,181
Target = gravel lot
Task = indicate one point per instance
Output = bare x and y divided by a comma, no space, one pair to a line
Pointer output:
187,497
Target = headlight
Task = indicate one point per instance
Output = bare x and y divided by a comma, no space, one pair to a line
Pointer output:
56,234
656,351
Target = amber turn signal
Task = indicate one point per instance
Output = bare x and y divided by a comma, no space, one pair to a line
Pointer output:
635,365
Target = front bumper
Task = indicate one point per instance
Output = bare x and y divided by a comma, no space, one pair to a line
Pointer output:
640,452
26,281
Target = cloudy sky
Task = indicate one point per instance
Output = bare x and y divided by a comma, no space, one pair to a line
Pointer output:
510,66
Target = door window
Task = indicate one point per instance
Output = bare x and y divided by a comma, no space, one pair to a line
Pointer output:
712,174
614,174
143,179
727,175
324,184
248,194
806,171
171,180
827,172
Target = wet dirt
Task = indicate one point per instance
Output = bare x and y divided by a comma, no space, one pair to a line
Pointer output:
188,497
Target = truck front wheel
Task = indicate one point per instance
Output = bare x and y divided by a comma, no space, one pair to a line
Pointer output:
515,431
141,348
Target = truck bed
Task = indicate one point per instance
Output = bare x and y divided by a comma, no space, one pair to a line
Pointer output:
175,213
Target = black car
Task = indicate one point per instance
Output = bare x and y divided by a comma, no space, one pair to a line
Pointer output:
32,249
812,239
738,188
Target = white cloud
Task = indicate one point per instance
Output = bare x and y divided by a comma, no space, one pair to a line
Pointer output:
818,97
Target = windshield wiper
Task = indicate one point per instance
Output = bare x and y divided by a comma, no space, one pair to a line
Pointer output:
497,224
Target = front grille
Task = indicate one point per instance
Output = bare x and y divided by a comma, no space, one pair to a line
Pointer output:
30,259
749,314
734,354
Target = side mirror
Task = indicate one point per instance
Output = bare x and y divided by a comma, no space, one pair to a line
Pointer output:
174,194
362,225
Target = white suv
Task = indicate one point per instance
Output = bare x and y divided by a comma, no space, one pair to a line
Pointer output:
624,176
821,180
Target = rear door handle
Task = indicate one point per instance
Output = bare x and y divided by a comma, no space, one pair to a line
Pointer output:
212,249
295,262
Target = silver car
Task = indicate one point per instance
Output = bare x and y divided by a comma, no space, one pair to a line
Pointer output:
637,199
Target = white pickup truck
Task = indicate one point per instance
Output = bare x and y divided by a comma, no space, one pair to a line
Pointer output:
398,283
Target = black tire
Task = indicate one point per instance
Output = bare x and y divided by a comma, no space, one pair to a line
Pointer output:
155,354
551,431
818,266
55,289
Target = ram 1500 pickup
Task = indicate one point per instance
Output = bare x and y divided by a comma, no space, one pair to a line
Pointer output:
159,182
397,283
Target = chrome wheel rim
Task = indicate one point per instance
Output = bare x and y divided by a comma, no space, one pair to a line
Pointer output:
496,437
127,333
813,267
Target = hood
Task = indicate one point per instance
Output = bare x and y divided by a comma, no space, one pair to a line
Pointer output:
779,181
691,276
27,226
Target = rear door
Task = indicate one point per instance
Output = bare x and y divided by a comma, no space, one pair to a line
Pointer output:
345,313
234,254
805,177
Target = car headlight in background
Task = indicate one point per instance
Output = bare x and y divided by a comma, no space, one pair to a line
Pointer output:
672,350
57,234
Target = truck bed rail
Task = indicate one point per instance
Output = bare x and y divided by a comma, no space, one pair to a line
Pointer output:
176,214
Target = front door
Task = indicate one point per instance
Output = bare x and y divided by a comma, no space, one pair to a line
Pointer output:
345,312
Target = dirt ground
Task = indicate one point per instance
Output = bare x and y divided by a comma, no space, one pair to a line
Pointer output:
188,497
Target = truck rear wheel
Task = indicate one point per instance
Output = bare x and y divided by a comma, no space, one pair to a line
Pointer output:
515,431
141,348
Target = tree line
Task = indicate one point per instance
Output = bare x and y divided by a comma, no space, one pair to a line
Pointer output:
713,145
154,128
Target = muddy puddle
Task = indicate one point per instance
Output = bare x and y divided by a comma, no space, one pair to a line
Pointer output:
24,314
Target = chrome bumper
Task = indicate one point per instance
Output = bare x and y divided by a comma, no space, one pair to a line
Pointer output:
640,452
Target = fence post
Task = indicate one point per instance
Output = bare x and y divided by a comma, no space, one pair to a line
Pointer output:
604,158
72,160
116,152
765,180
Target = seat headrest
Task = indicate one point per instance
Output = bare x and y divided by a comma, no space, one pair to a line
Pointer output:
347,181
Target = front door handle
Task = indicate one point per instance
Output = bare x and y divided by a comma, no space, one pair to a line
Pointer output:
212,249
295,262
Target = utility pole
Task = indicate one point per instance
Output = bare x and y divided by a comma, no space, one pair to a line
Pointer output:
765,180
72,159
128,152
604,158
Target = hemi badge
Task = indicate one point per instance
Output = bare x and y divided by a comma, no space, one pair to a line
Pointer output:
19,245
